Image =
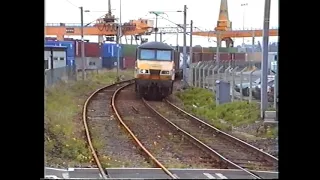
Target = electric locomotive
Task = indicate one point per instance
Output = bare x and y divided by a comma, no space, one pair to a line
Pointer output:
154,70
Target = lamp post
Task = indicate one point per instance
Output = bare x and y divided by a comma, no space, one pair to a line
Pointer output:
82,46
243,17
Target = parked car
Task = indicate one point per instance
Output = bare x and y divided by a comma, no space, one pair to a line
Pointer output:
246,86
256,92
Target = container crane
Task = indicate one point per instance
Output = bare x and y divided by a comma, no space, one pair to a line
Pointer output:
103,27
224,32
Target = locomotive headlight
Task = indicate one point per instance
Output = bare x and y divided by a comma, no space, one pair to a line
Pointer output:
166,72
143,71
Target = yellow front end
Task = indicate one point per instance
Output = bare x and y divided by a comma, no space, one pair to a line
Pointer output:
154,70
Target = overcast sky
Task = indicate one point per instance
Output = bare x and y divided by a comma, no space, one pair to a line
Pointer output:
204,14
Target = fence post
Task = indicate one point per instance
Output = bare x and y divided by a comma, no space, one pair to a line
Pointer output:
275,89
204,74
209,75
241,81
208,67
226,73
191,73
233,82
197,69
250,85
219,74
199,73
213,76
195,66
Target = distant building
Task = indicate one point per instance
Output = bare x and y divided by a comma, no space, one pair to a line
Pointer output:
55,56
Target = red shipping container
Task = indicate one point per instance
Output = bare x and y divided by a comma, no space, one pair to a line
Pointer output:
223,56
240,56
196,57
129,62
197,49
205,49
90,49
207,56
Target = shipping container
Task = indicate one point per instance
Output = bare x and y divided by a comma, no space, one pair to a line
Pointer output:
70,46
71,61
90,49
233,50
90,62
128,49
111,50
223,56
197,49
177,60
254,56
207,56
205,49
111,62
181,49
196,57
129,62
239,56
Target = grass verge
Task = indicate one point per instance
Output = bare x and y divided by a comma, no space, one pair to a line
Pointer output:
201,102
65,140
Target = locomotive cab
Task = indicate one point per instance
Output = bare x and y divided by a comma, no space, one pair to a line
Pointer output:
154,70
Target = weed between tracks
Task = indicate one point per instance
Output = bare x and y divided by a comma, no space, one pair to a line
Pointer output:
201,102
65,140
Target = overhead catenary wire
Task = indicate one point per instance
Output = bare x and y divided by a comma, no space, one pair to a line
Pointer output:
72,4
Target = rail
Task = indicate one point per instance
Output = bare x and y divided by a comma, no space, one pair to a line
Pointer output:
199,143
133,136
226,135
85,123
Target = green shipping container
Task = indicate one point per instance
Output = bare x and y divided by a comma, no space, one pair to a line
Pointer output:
129,50
233,50
223,49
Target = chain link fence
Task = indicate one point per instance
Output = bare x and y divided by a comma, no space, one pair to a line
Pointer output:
71,73
244,80
53,76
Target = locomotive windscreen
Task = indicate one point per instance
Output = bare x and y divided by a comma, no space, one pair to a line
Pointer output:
152,54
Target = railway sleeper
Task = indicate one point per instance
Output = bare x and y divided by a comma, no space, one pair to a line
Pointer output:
220,146
220,162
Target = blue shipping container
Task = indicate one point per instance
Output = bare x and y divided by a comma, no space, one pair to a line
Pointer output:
111,50
111,62
71,61
69,44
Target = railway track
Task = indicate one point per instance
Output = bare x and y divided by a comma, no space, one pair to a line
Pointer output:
107,92
120,113
203,153
147,133
240,153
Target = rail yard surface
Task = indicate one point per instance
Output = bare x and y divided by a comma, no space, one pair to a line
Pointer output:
133,132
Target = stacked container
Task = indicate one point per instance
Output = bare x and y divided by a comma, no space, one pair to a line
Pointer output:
90,49
129,55
198,56
70,50
110,53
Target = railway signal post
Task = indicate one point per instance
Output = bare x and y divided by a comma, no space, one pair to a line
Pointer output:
191,50
82,46
264,74
185,83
